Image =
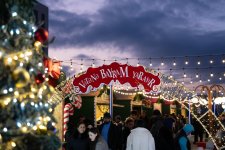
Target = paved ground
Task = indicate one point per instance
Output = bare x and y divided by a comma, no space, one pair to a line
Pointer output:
193,146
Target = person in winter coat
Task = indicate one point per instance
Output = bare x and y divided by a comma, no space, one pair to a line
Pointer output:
162,135
129,125
79,140
97,142
181,140
109,132
140,138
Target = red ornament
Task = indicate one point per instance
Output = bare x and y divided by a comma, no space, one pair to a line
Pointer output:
39,78
53,82
41,35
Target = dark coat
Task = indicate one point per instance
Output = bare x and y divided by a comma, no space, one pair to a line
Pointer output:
163,136
78,142
113,137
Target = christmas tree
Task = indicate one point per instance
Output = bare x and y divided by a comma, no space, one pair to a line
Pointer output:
26,117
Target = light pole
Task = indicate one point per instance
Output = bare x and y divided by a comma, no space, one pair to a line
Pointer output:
209,90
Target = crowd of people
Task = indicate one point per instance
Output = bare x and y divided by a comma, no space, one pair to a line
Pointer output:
137,132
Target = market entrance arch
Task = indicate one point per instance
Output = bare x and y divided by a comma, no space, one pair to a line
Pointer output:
137,77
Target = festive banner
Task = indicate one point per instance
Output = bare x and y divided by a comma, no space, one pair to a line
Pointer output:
123,73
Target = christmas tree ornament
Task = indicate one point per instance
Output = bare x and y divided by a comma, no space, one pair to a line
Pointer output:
53,82
21,77
39,78
41,35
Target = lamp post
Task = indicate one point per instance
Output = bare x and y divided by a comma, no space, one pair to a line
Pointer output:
209,90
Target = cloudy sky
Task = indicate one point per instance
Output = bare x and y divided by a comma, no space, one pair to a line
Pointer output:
160,30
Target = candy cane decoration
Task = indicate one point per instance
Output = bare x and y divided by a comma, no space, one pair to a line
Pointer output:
69,110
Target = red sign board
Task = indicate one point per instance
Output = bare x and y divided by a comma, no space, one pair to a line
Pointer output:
123,73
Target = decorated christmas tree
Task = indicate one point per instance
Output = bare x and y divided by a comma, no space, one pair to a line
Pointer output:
26,117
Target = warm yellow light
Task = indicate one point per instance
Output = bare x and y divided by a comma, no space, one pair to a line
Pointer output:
33,89
48,118
21,55
40,118
37,44
24,129
6,102
42,127
9,60
16,93
32,96
50,110
13,144
15,57
1,53
28,53
34,127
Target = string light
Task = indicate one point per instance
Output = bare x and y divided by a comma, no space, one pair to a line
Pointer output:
93,63
174,62
162,63
186,60
138,64
211,74
150,62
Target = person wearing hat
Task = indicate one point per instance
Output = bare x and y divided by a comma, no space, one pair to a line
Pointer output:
181,140
109,132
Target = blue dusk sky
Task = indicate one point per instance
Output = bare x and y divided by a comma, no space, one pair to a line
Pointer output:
144,31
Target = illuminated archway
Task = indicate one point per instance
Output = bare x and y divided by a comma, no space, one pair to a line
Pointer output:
169,88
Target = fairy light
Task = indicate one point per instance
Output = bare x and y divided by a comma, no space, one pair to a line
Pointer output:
1,54
71,65
17,31
211,61
162,63
14,14
15,57
9,60
150,64
40,64
13,144
21,64
186,61
138,64
93,63
174,62
21,55
196,75
199,62
208,80
185,75
5,91
211,74
220,78
5,129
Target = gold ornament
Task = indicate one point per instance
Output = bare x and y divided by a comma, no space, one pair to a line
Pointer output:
21,77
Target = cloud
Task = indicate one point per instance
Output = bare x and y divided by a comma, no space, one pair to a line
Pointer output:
139,28
145,27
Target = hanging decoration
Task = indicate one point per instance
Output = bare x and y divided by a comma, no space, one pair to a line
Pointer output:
53,67
21,77
75,101
136,76
41,35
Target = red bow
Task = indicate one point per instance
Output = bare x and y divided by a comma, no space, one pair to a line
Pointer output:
53,67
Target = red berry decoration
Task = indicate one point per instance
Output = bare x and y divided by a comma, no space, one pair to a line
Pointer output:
41,35
39,78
